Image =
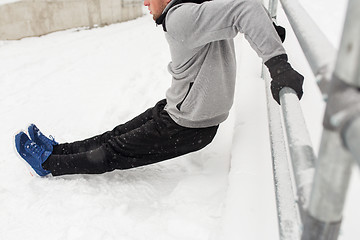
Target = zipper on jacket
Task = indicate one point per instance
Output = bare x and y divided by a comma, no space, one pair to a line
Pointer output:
178,106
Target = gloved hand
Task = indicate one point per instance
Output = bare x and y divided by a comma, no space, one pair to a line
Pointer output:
283,75
280,31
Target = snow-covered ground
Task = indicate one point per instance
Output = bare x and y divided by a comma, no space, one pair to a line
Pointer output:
75,84
3,2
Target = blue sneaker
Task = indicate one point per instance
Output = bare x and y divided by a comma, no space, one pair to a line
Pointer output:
32,153
40,139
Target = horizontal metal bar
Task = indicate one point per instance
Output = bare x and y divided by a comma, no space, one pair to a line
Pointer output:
288,216
300,147
317,48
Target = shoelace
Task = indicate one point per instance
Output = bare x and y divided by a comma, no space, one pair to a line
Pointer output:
53,142
50,140
35,149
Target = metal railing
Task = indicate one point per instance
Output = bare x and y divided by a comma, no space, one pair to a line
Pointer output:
321,193
288,216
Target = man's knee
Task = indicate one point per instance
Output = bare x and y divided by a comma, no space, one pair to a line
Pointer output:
207,135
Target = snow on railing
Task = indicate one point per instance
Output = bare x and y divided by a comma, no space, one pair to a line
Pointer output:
320,195
288,216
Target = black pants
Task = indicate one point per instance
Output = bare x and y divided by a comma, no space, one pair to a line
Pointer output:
149,138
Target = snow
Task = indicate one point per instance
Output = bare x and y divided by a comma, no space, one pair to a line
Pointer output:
3,2
75,84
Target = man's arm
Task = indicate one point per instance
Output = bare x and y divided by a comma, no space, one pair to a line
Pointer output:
198,24
195,25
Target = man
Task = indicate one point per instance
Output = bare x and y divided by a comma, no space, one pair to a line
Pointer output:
200,36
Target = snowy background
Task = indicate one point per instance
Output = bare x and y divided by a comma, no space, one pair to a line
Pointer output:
3,2
78,83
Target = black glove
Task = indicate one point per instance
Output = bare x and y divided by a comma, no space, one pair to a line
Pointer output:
283,75
280,31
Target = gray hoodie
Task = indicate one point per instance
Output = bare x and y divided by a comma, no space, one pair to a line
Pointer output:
203,65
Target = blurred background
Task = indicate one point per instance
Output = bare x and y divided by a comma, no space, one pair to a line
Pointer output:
28,18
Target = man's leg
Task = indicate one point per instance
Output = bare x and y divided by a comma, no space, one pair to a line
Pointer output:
160,138
96,141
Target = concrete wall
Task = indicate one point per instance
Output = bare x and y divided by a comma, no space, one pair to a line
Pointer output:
28,18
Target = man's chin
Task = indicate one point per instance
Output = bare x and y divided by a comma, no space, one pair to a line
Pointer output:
156,16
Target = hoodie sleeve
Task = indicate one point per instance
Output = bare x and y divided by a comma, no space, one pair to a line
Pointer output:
195,25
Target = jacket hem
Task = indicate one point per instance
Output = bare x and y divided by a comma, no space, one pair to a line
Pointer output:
200,123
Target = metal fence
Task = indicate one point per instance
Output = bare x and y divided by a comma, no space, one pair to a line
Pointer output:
316,211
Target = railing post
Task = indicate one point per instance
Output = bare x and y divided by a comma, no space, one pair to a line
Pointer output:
348,70
342,114
333,170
